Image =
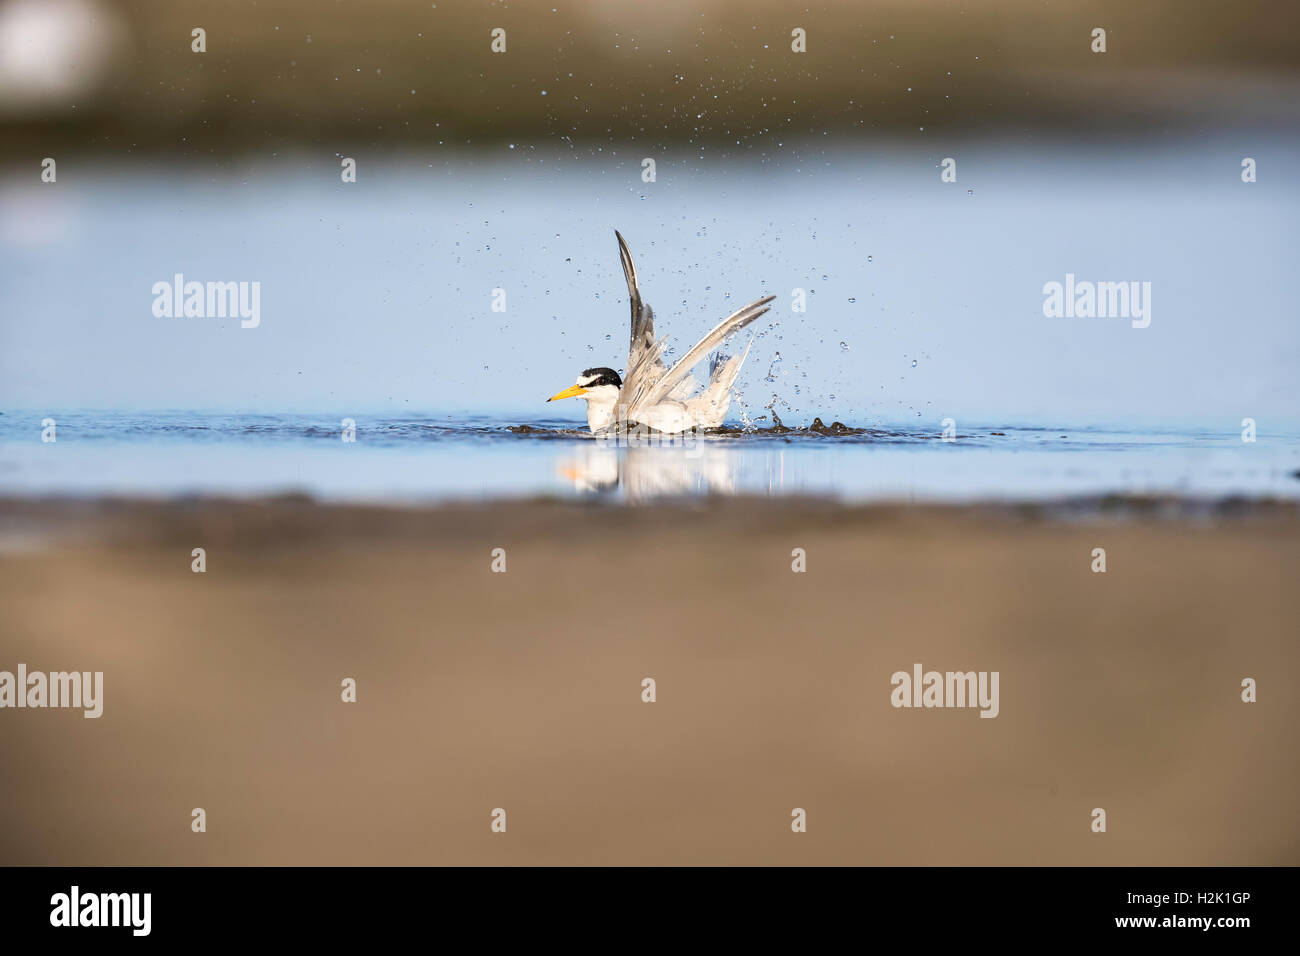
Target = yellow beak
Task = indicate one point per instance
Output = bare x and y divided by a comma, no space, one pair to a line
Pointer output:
569,392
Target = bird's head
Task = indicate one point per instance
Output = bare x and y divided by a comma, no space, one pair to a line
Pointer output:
600,385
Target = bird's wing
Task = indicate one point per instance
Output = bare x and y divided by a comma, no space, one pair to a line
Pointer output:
737,320
644,352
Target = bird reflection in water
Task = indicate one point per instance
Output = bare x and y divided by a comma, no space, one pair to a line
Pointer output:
647,473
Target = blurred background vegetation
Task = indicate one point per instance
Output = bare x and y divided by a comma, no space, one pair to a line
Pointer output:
120,76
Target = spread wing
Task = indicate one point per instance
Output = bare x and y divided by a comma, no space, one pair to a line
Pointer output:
645,364
663,386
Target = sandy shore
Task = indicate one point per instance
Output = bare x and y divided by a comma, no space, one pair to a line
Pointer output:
479,690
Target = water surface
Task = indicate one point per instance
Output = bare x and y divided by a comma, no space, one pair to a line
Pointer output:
429,458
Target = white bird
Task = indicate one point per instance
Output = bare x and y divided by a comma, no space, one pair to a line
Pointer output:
665,399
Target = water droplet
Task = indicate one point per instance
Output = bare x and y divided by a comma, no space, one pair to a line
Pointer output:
844,346
868,258
913,360
970,192
774,368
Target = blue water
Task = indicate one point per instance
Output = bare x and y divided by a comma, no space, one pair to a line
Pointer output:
923,299
429,458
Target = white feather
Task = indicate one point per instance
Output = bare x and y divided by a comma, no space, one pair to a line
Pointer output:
669,399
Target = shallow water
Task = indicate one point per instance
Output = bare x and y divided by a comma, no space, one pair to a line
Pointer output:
434,458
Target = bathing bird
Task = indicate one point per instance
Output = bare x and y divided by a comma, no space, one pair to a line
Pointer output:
651,394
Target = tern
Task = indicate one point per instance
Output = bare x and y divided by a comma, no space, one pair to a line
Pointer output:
664,399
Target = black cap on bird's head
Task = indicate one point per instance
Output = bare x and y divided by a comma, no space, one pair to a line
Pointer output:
591,378
599,376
